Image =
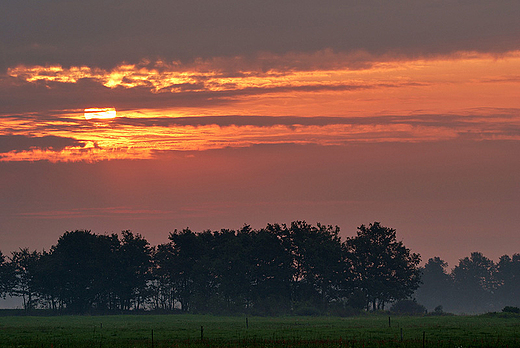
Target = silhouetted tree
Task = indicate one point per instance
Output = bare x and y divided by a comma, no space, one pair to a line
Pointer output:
186,268
232,267
318,261
437,284
474,283
47,282
7,276
84,264
508,279
24,263
272,272
383,268
164,277
263,271
133,265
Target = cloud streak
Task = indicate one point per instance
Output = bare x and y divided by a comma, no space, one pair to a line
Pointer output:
19,143
221,84
147,137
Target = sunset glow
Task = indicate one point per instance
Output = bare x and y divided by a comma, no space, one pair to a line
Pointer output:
215,76
384,101
100,113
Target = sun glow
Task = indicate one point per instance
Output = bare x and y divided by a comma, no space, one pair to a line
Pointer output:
466,95
100,113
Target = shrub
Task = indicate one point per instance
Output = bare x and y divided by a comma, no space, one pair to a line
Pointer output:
510,309
408,307
439,311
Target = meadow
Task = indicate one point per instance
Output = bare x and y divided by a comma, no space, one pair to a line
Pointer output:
280,332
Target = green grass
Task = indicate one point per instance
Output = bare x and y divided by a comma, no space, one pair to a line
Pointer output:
185,331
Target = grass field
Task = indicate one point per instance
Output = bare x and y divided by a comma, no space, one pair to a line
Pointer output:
185,331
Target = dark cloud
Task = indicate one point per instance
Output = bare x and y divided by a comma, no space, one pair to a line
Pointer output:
45,96
501,119
10,143
17,96
105,33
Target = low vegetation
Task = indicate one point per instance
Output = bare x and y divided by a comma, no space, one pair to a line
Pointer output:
187,330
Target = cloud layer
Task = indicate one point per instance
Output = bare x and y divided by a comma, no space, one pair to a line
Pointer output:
106,33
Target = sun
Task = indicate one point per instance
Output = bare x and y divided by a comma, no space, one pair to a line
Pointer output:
100,113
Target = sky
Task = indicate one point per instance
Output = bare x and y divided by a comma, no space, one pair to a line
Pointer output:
159,115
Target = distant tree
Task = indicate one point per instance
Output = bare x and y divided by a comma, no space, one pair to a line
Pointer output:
437,285
24,264
384,269
439,310
474,280
510,309
508,279
7,276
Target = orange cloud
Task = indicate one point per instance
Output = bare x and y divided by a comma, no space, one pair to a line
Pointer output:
467,93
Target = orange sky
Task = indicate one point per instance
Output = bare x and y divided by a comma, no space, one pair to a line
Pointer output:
480,90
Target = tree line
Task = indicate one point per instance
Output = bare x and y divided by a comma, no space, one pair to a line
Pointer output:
280,269
476,284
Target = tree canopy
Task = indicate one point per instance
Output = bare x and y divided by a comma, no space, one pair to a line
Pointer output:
278,269
384,269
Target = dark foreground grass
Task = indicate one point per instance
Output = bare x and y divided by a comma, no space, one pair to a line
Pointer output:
285,332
